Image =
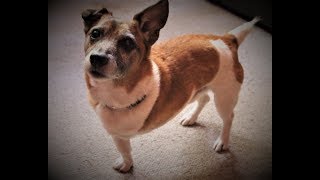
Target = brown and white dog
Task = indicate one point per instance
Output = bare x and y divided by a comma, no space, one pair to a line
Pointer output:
135,86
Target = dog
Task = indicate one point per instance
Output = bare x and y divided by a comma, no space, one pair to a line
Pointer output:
135,85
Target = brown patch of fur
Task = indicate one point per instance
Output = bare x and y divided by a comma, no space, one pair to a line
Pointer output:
232,43
186,64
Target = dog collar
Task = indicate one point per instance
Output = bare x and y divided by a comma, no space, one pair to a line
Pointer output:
131,106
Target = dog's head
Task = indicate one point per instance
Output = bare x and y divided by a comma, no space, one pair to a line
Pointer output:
112,47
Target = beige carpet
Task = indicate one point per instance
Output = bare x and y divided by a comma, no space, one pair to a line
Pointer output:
79,148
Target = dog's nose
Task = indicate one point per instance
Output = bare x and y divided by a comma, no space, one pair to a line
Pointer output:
98,60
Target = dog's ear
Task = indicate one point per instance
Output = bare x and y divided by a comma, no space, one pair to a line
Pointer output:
91,16
152,19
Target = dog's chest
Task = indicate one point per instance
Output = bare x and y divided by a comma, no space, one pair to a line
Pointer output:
123,121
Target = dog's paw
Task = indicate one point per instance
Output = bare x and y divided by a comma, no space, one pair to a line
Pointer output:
220,145
188,121
122,166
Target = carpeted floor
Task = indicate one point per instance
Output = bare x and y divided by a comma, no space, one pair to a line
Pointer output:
78,146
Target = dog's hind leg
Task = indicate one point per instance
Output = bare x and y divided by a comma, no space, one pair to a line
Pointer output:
201,98
225,100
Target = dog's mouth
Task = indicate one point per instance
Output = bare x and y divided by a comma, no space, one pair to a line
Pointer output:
95,73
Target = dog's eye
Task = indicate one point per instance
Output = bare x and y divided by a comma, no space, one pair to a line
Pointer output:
95,34
127,44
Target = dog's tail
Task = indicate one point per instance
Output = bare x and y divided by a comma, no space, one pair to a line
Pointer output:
242,31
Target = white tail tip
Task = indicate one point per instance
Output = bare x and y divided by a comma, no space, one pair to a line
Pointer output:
256,19
242,31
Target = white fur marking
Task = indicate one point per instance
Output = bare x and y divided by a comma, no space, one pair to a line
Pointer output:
225,76
127,123
130,35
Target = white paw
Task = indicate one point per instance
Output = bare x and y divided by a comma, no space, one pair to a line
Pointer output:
188,121
220,145
122,166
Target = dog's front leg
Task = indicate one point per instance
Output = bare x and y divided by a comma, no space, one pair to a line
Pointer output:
124,163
